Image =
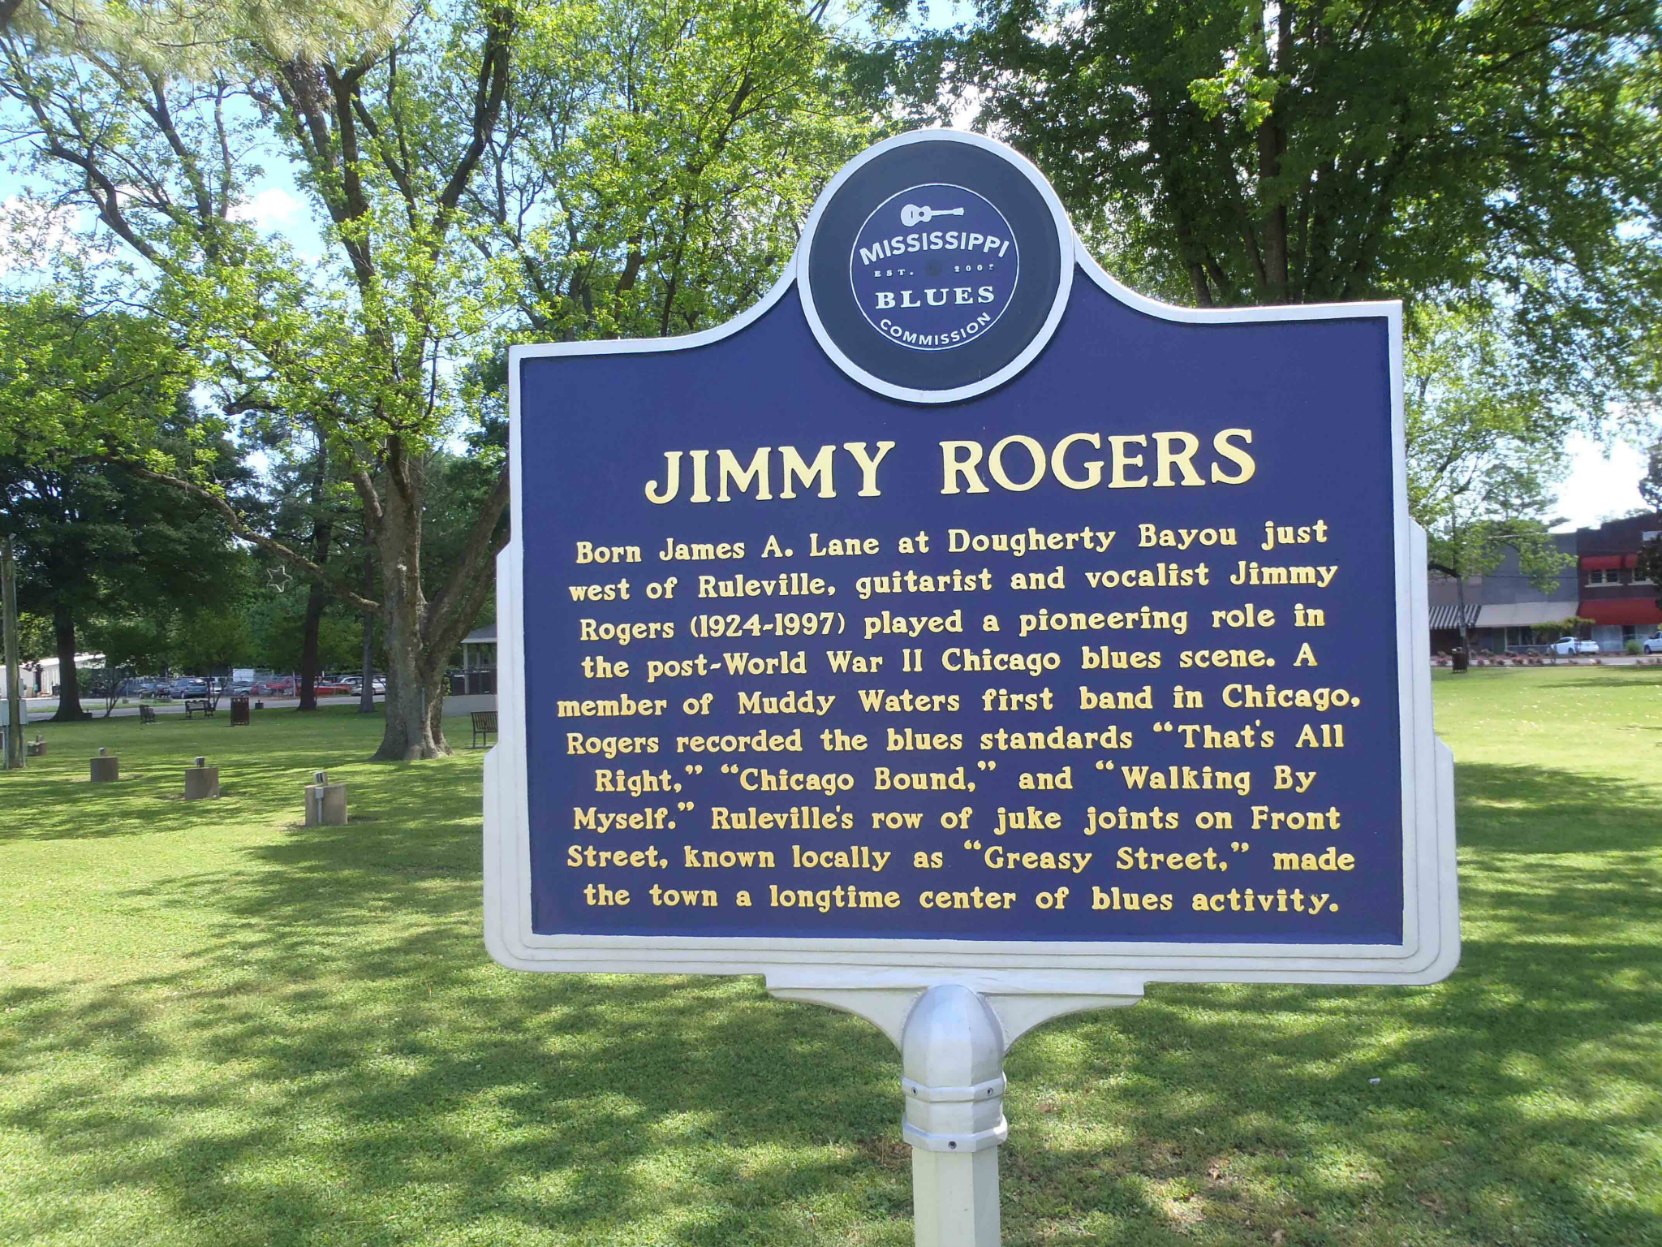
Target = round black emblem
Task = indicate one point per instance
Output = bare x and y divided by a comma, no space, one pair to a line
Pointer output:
935,266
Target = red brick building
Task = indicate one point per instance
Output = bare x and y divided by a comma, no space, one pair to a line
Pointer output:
1622,607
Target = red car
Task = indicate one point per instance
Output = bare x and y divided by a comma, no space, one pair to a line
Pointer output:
282,686
331,688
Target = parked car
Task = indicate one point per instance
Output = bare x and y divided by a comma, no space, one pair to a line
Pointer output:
331,688
1653,643
190,686
1569,646
275,686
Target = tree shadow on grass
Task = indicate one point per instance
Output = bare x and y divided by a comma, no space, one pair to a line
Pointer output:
339,1063
1602,681
264,781
1515,1103
1535,809
378,1068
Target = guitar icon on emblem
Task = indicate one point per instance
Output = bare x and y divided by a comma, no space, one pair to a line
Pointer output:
911,214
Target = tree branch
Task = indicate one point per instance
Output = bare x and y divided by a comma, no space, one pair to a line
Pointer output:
247,532
455,605
491,90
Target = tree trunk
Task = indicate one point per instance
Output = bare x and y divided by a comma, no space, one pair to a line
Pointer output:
316,599
69,680
318,596
421,636
414,674
366,692
415,695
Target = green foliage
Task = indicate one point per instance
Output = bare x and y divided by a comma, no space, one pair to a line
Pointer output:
133,643
273,622
105,554
77,380
1650,485
1485,445
34,633
96,542
664,158
1226,153
195,35
479,172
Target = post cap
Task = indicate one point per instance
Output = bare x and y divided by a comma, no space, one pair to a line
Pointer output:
320,777
201,762
103,752
952,1039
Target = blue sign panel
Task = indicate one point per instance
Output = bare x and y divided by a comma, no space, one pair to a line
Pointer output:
949,602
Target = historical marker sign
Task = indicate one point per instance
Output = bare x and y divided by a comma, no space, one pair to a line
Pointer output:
958,615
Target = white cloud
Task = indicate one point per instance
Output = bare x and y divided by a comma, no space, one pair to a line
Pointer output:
33,232
965,105
269,209
1603,483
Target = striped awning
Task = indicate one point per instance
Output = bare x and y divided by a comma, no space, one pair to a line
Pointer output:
1449,617
1526,614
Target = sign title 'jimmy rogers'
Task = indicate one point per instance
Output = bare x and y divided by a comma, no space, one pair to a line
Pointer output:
1016,463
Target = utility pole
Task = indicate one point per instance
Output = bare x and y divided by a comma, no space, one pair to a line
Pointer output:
8,625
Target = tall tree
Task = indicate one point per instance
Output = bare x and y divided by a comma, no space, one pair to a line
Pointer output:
424,154
386,134
310,506
97,544
1485,442
655,162
1227,152
87,530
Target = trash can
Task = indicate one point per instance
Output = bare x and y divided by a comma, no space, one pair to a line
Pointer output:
1462,659
239,711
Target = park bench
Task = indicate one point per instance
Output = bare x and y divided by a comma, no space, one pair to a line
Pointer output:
147,716
484,727
193,704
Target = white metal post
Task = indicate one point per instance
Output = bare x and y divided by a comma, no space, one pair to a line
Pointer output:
952,1059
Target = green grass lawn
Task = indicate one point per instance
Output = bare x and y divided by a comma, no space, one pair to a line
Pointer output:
217,1027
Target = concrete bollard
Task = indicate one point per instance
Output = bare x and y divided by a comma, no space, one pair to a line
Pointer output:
106,768
325,802
201,781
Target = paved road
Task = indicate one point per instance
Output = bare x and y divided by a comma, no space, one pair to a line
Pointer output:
41,708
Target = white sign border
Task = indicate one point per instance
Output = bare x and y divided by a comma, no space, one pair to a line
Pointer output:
1428,954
